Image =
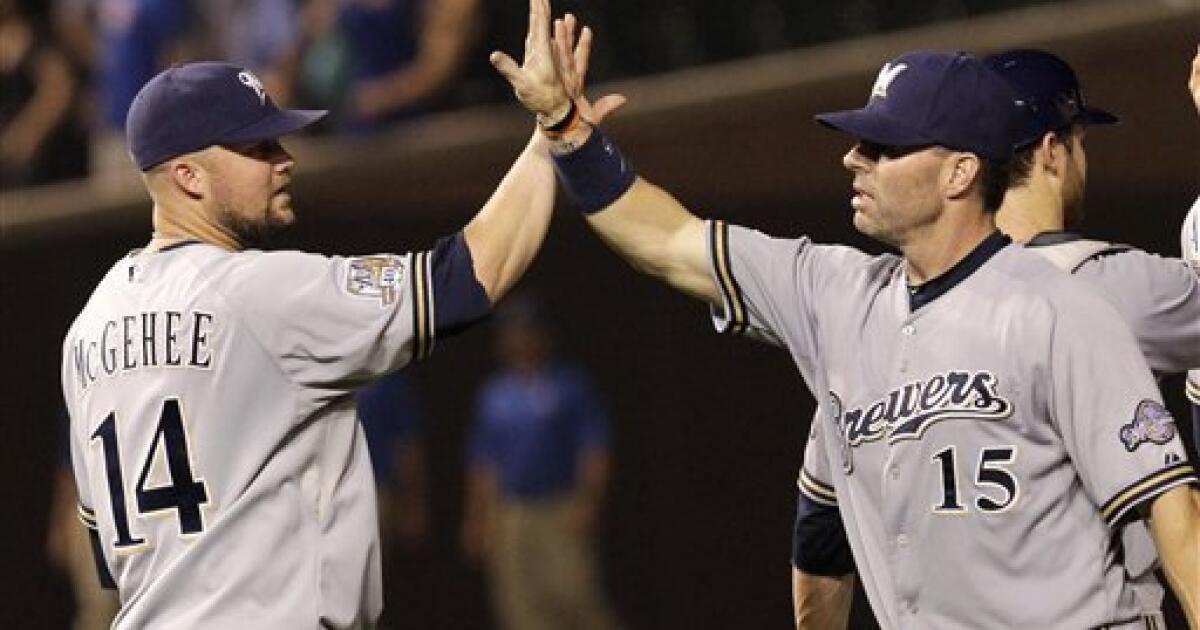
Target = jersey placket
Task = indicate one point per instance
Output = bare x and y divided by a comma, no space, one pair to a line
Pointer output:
897,477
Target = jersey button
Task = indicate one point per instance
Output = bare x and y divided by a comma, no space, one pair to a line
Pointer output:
902,541
894,471
908,329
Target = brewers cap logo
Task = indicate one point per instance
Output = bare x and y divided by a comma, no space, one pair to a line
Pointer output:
248,79
887,74
1151,423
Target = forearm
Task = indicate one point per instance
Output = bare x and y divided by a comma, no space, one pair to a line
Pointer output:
820,602
645,225
507,232
1175,524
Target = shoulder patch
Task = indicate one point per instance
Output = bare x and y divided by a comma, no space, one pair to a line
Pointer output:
378,277
1151,423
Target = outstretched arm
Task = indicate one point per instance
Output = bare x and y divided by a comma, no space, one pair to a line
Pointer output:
643,223
508,231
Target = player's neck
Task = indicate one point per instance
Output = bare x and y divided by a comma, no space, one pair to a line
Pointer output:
944,245
172,227
1027,212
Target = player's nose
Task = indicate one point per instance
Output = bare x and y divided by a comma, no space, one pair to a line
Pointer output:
854,160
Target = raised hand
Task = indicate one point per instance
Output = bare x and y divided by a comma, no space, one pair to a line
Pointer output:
573,57
536,80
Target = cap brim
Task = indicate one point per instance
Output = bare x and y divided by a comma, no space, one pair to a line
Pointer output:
867,124
1095,116
279,123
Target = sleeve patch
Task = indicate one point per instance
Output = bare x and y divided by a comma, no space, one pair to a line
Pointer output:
1151,423
378,277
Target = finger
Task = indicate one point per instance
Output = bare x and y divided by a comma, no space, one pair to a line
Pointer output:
583,53
606,105
570,21
505,66
539,21
562,57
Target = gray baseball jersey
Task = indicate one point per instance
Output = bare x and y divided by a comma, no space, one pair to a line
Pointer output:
956,429
214,440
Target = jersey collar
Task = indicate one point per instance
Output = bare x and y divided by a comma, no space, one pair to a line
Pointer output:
924,293
1053,237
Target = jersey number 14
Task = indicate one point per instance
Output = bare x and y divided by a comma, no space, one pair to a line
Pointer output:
184,494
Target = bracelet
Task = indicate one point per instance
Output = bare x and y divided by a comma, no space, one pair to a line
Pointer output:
564,125
595,174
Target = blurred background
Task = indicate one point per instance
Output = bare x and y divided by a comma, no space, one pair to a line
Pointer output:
690,442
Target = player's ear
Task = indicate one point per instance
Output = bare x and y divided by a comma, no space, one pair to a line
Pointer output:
188,175
962,171
1053,152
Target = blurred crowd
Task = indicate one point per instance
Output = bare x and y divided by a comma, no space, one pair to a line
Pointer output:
69,68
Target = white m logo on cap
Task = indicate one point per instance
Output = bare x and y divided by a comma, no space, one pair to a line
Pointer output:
252,82
887,74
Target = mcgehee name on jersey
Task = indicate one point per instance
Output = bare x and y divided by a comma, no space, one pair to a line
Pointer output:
148,339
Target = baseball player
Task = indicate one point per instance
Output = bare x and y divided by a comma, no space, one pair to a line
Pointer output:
967,403
219,463
1158,297
1189,241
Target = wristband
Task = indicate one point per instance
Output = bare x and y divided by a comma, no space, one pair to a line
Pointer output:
564,125
595,174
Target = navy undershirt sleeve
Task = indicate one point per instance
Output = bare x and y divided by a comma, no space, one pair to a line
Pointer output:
459,299
819,543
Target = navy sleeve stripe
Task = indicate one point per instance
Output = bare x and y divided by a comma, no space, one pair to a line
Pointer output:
817,490
422,316
1193,389
1155,484
459,299
735,305
106,578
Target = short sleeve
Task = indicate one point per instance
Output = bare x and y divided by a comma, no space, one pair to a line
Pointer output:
1123,442
338,322
819,542
771,288
816,477
1160,300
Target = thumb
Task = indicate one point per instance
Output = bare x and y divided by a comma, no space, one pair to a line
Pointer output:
606,105
505,66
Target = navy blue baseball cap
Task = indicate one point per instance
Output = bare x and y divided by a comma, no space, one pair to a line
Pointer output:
195,105
935,98
1048,93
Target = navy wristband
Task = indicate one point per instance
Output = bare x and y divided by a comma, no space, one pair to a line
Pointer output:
595,174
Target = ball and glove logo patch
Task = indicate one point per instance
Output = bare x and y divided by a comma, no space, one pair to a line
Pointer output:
377,277
1151,423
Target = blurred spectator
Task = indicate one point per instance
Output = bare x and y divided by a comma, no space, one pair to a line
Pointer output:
539,467
130,40
39,142
376,62
393,418
69,548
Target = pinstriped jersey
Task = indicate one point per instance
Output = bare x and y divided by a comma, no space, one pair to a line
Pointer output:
953,430
213,434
